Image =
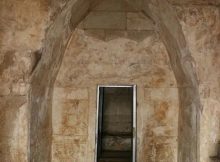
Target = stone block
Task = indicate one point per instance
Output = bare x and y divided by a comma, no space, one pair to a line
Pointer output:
161,80
13,128
139,35
158,94
195,2
4,90
78,94
59,93
71,117
70,93
138,21
96,33
130,8
111,5
20,88
114,34
105,20
130,34
69,148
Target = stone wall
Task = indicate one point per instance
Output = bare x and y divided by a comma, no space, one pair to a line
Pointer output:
201,30
90,61
24,26
201,26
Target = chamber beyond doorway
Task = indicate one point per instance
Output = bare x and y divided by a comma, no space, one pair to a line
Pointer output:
116,124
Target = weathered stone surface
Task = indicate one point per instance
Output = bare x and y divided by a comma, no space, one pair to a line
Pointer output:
22,28
115,5
88,62
201,28
72,118
96,33
160,130
109,35
138,21
23,25
69,93
105,20
111,5
14,128
64,148
43,77
139,35
116,15
195,2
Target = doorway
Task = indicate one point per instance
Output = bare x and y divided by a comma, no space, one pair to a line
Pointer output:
116,124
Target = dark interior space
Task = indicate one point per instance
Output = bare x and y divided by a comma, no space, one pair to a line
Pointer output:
115,124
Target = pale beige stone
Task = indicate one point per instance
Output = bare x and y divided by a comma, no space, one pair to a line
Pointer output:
139,35
137,21
64,148
72,118
115,34
71,93
195,2
119,61
111,5
4,91
99,34
116,56
201,30
20,88
105,20
161,93
78,94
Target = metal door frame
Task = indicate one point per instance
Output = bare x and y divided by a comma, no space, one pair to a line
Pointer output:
134,140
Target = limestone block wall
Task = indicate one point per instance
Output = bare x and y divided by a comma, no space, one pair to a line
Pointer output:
21,34
23,25
201,26
22,30
115,44
117,18
90,61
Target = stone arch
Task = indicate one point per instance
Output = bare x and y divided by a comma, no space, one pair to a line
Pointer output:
56,41
182,63
44,75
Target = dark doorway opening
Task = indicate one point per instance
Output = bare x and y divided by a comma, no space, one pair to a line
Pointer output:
116,126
